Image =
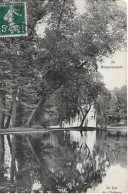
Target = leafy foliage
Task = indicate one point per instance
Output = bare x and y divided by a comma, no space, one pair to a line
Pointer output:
118,105
66,57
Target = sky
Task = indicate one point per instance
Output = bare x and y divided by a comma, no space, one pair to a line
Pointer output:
112,77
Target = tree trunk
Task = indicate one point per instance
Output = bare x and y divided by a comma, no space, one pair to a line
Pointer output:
13,136
31,117
1,136
33,151
61,14
20,155
28,123
9,118
7,124
84,117
41,101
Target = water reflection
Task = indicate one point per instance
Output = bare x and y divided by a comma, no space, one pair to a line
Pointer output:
7,159
70,162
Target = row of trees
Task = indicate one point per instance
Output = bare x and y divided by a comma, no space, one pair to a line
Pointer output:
65,58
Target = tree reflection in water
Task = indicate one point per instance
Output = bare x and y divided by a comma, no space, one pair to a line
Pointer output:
67,164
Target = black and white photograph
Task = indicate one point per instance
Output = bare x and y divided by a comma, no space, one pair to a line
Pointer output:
63,96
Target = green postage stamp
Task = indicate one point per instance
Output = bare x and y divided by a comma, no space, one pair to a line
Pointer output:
13,19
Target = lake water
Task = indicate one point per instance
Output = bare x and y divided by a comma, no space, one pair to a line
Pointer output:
67,162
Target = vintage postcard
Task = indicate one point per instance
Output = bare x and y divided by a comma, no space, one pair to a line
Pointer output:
63,96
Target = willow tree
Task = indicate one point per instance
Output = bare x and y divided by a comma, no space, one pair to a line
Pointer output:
40,66
73,44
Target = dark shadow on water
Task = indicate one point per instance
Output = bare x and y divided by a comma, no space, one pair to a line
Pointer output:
70,161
